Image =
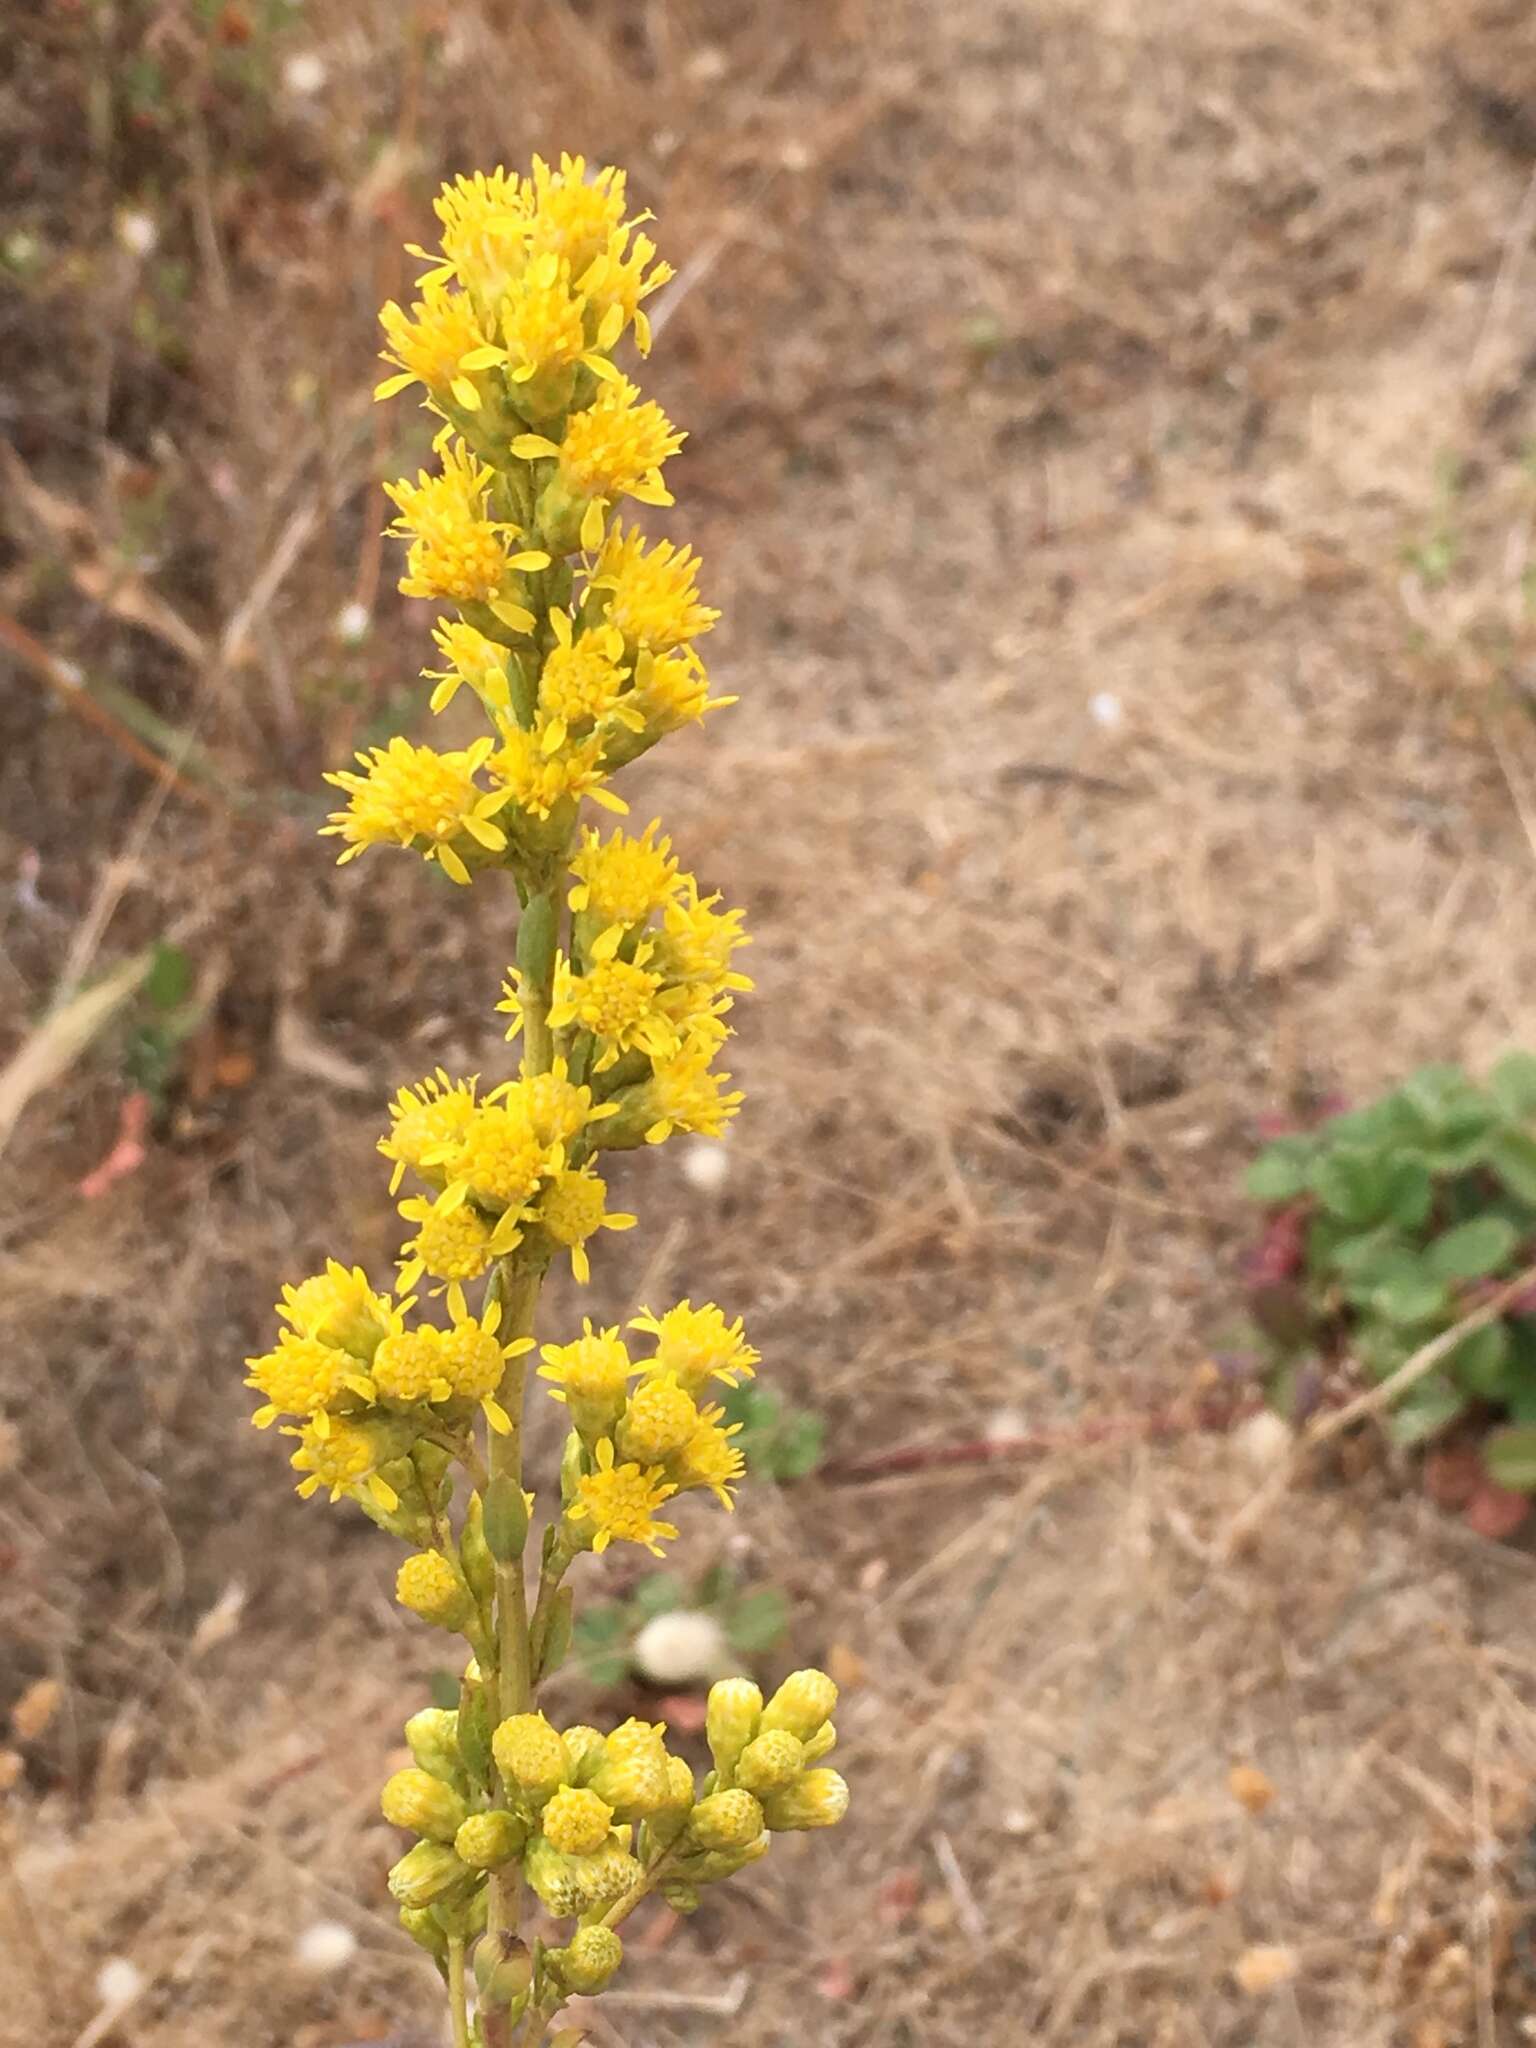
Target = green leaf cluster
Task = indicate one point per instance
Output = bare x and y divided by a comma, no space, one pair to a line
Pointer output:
1414,1207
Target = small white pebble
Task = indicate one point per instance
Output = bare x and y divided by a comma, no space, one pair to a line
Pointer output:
118,1983
682,1647
304,73
138,232
794,156
353,623
1004,1424
705,1165
1105,709
707,66
325,1946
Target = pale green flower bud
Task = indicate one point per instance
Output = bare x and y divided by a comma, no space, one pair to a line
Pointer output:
726,1820
714,1864
487,1840
584,1748
771,1761
802,1704
433,1736
475,1560
732,1717
591,1958
424,1928
681,1897
633,1776
502,1974
607,1875
424,1804
429,1585
424,1874
669,1821
818,1800
821,1744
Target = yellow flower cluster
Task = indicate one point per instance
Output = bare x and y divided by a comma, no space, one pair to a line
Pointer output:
574,638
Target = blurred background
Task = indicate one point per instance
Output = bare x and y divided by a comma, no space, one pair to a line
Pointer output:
1110,447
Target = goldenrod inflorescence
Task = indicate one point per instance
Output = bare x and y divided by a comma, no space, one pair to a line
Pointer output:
576,637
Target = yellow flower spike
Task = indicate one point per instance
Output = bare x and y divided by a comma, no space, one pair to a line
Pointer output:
649,593
591,1376
576,1821
409,795
572,1208
698,1344
622,880
619,1502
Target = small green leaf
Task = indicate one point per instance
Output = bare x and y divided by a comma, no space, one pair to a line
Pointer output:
1351,1183
1279,1174
758,1620
443,1688
1512,1155
798,1446
1425,1410
1484,1363
1363,1254
658,1593
1510,1457
1472,1250
1409,1193
604,1623
1513,1085
169,979
1410,1297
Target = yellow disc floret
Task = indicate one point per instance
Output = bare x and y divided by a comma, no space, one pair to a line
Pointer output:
409,1367
456,550
698,1344
576,1821
572,1208
650,593
618,1503
301,1376
660,1420
427,1123
410,796
622,880
428,1585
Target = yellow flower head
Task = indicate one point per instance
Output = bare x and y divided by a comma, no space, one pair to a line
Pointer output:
485,233
591,1376
344,1457
614,449
427,1124
474,660
451,1244
430,342
661,1418
408,1368
622,880
672,690
456,550
635,1775
499,1159
615,999
414,796
572,1208
428,1585
474,1361
709,1458
302,1376
538,781
581,681
697,1344
339,1307
650,593
529,1755
619,1502
697,940
576,1821
573,215
619,279
683,1094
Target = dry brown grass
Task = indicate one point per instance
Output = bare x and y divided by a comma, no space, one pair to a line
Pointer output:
1031,355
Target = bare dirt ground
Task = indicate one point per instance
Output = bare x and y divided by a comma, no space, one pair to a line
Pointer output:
1111,449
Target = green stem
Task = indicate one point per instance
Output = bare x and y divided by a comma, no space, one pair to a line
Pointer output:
560,1562
622,1908
457,2003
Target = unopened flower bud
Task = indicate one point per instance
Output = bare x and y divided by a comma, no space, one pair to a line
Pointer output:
416,1800
584,1749
506,1519
429,1586
433,1736
731,1720
424,1874
802,1703
501,1974
474,1729
607,1875
422,1925
681,1897
556,1878
530,1755
633,1775
576,1821
726,1820
475,1560
817,1800
821,1744
669,1821
487,1840
710,1865
771,1761
590,1959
